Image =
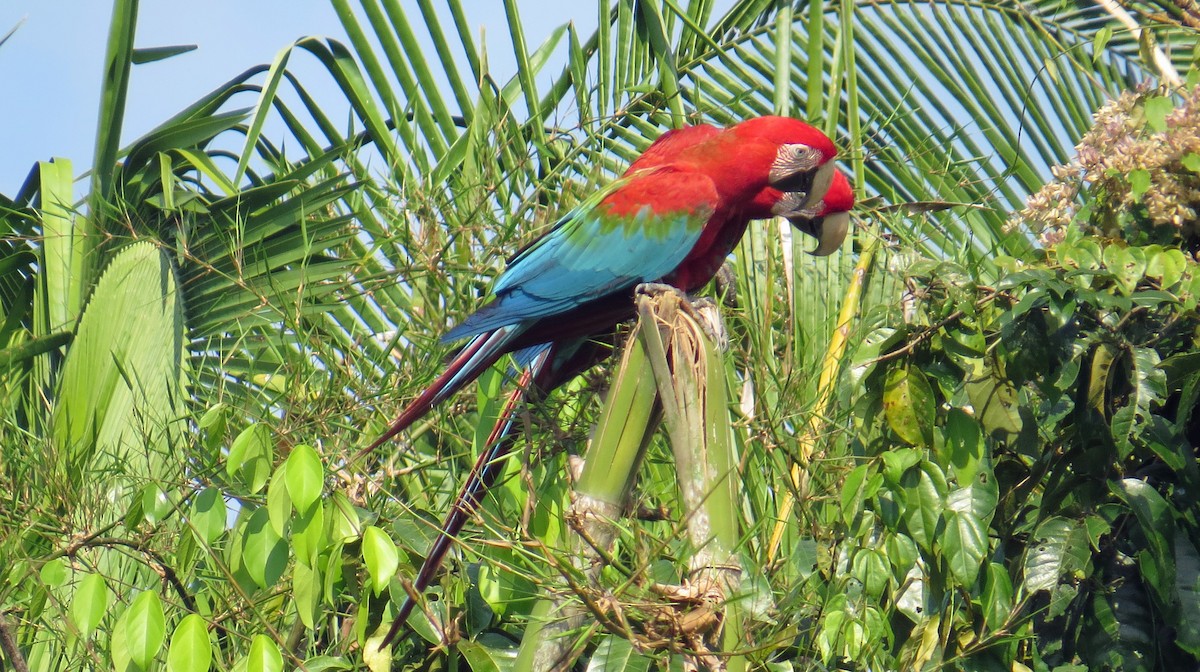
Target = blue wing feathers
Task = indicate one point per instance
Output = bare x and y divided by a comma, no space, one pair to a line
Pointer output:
590,254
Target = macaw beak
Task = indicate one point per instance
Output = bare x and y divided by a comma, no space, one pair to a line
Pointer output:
830,231
804,181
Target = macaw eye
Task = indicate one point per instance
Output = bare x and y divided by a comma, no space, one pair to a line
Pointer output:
793,167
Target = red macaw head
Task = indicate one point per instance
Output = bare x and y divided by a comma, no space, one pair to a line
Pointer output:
827,220
802,182
800,156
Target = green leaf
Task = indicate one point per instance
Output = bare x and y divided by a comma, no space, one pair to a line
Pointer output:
123,378
1059,548
156,505
151,54
1167,266
1154,516
305,477
208,514
1191,161
615,654
345,522
306,593
866,355
1099,42
279,503
965,542
852,493
1157,108
90,603
214,423
1149,387
264,655
870,567
1187,587
902,553
924,489
144,628
488,653
54,572
250,456
908,403
308,534
997,598
1128,264
264,553
381,557
1139,182
323,663
964,446
191,647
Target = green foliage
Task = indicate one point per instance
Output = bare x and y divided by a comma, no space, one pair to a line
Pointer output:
1048,514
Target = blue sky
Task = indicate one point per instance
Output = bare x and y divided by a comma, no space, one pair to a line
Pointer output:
51,66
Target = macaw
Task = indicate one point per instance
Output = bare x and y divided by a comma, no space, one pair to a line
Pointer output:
672,217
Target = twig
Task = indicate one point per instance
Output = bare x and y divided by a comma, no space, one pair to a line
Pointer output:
8,644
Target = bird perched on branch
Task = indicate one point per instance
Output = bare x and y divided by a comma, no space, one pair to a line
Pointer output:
673,217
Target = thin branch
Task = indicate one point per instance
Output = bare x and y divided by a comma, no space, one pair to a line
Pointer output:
8,644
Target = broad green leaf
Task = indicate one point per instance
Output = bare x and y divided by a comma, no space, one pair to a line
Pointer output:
191,647
965,542
323,663
1059,548
144,628
264,553
908,403
90,603
616,654
156,504
345,522
870,567
1099,42
305,477
264,655
54,572
306,593
122,377
964,445
1187,587
381,557
489,653
993,399
1154,516
1139,182
208,514
852,497
279,502
902,553
214,423
308,535
997,598
924,490
1157,108
250,456
1128,264
1148,388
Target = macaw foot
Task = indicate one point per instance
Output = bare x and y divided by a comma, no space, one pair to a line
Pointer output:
652,288
703,310
727,285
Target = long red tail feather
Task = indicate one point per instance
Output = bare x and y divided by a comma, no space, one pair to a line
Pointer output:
480,353
487,468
